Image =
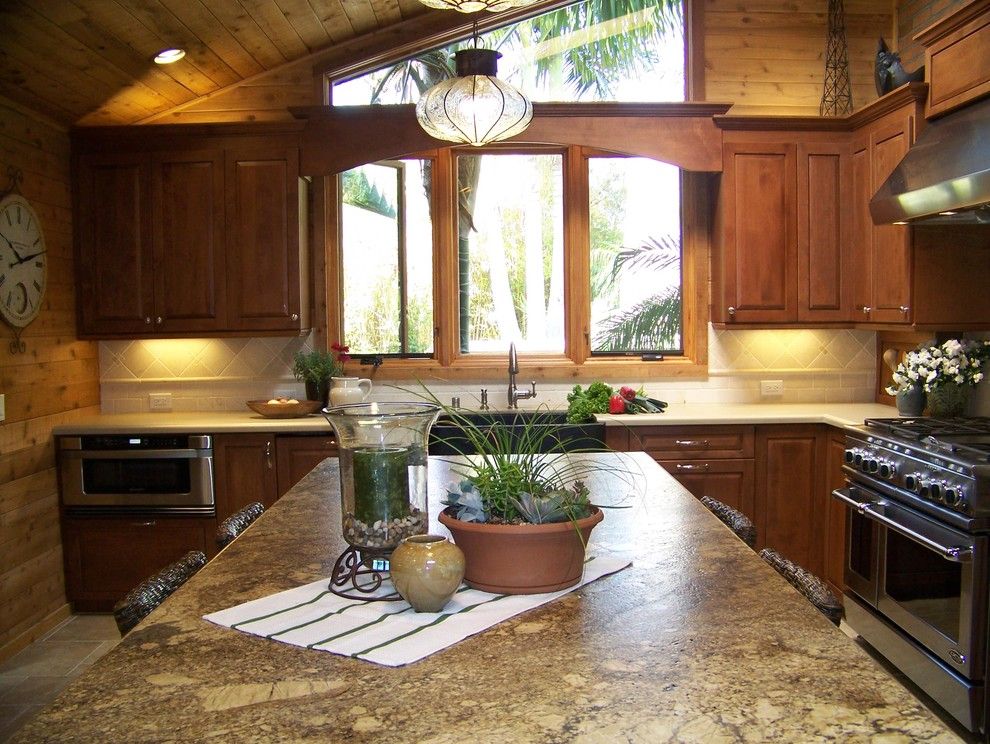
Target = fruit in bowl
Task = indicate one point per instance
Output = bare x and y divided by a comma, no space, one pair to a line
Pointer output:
284,407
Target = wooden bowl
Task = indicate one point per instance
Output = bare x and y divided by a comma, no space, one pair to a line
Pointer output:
284,410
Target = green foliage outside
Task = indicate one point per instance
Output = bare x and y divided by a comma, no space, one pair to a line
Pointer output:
359,192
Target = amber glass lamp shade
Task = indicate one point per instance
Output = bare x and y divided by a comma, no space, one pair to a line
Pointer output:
475,107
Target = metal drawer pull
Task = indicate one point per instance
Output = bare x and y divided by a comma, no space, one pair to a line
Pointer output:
705,466
691,442
954,553
143,524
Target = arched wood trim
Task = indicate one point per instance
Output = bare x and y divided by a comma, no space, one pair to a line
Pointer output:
684,134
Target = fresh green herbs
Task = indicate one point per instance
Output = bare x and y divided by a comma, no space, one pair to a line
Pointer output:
584,404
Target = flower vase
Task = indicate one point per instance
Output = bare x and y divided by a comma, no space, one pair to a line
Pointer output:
426,571
911,401
948,401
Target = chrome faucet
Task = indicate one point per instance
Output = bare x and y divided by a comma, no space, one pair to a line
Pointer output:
516,395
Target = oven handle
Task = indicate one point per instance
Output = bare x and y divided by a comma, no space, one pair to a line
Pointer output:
172,454
954,553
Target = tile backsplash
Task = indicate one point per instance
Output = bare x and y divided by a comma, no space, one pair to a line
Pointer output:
220,374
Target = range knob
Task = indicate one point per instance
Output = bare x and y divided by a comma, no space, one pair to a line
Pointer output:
850,455
871,465
924,489
936,491
951,496
858,459
887,470
911,482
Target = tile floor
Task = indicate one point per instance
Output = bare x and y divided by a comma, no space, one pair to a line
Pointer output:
32,678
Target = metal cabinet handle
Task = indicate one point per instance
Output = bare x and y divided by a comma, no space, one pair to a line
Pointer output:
731,310
268,454
866,309
704,466
294,316
147,320
692,442
150,523
904,309
158,320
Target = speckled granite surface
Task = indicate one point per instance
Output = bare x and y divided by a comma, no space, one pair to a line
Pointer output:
698,641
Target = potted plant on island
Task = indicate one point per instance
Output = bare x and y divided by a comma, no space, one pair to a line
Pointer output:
521,513
315,368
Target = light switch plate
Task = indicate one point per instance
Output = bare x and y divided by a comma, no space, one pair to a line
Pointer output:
160,401
3,407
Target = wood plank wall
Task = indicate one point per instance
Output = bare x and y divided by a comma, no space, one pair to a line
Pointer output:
55,381
771,54
917,15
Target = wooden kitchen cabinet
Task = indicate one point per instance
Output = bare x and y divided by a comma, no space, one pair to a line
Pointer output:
834,511
728,481
198,236
755,254
106,557
244,471
790,468
298,454
957,58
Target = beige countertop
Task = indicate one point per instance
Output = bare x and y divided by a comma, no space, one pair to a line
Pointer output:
698,641
836,414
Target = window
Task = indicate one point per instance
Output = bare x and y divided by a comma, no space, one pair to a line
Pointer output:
622,50
510,242
635,234
386,237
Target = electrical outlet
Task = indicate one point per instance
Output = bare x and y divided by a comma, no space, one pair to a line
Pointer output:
3,406
160,401
771,388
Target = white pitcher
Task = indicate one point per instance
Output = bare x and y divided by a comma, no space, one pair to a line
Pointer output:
345,390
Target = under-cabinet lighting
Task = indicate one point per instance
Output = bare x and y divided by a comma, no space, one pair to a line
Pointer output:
900,222
947,213
168,56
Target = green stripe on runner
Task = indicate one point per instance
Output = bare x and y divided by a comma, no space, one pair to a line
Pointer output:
279,612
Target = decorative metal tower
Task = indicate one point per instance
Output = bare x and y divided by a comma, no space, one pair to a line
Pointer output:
837,96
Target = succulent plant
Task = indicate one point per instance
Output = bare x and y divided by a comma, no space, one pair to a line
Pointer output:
554,506
466,499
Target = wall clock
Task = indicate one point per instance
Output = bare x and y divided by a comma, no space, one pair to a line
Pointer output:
23,265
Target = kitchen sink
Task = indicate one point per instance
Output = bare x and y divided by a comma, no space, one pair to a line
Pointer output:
551,429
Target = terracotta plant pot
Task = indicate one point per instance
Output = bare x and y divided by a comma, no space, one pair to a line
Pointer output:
523,558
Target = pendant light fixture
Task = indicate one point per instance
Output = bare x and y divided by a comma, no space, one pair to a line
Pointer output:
473,6
475,107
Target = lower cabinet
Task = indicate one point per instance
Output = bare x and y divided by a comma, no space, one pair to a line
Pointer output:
107,557
299,454
244,471
781,476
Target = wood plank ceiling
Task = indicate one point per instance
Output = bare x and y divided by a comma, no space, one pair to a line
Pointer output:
90,61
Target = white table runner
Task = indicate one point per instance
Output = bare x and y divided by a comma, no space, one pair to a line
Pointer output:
387,633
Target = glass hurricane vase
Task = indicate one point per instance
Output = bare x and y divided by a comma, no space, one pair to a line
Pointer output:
383,480
948,401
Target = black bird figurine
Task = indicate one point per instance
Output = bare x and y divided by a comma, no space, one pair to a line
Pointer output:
889,73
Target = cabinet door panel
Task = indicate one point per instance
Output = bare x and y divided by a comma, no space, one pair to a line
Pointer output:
824,227
263,255
298,455
729,481
106,558
115,260
190,282
245,471
862,259
892,257
760,251
789,471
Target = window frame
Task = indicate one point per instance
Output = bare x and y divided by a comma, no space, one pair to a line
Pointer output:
576,362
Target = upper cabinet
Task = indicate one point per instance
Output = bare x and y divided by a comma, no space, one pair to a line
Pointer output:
782,245
957,58
184,240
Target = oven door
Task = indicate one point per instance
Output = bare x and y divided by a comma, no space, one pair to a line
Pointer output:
930,580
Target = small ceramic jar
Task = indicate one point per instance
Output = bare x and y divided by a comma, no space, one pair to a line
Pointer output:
426,571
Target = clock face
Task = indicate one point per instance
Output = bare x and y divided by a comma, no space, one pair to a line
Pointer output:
23,264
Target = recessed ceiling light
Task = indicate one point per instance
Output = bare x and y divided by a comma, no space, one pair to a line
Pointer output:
168,56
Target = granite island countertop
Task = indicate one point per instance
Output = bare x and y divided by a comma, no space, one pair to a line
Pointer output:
835,414
699,640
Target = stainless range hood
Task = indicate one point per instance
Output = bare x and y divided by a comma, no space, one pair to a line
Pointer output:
945,176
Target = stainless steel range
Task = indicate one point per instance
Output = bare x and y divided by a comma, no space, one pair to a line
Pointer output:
917,540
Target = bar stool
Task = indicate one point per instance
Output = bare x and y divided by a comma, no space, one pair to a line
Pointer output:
733,519
813,588
151,592
236,523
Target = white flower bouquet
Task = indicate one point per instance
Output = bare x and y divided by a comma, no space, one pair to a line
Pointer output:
955,362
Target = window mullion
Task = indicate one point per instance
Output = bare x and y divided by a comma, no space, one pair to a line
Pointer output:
577,257
445,305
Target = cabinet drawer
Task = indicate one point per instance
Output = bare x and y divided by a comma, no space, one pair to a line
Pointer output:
729,481
692,442
107,557
298,455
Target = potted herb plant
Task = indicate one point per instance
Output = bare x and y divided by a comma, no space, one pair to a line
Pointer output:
521,513
315,368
